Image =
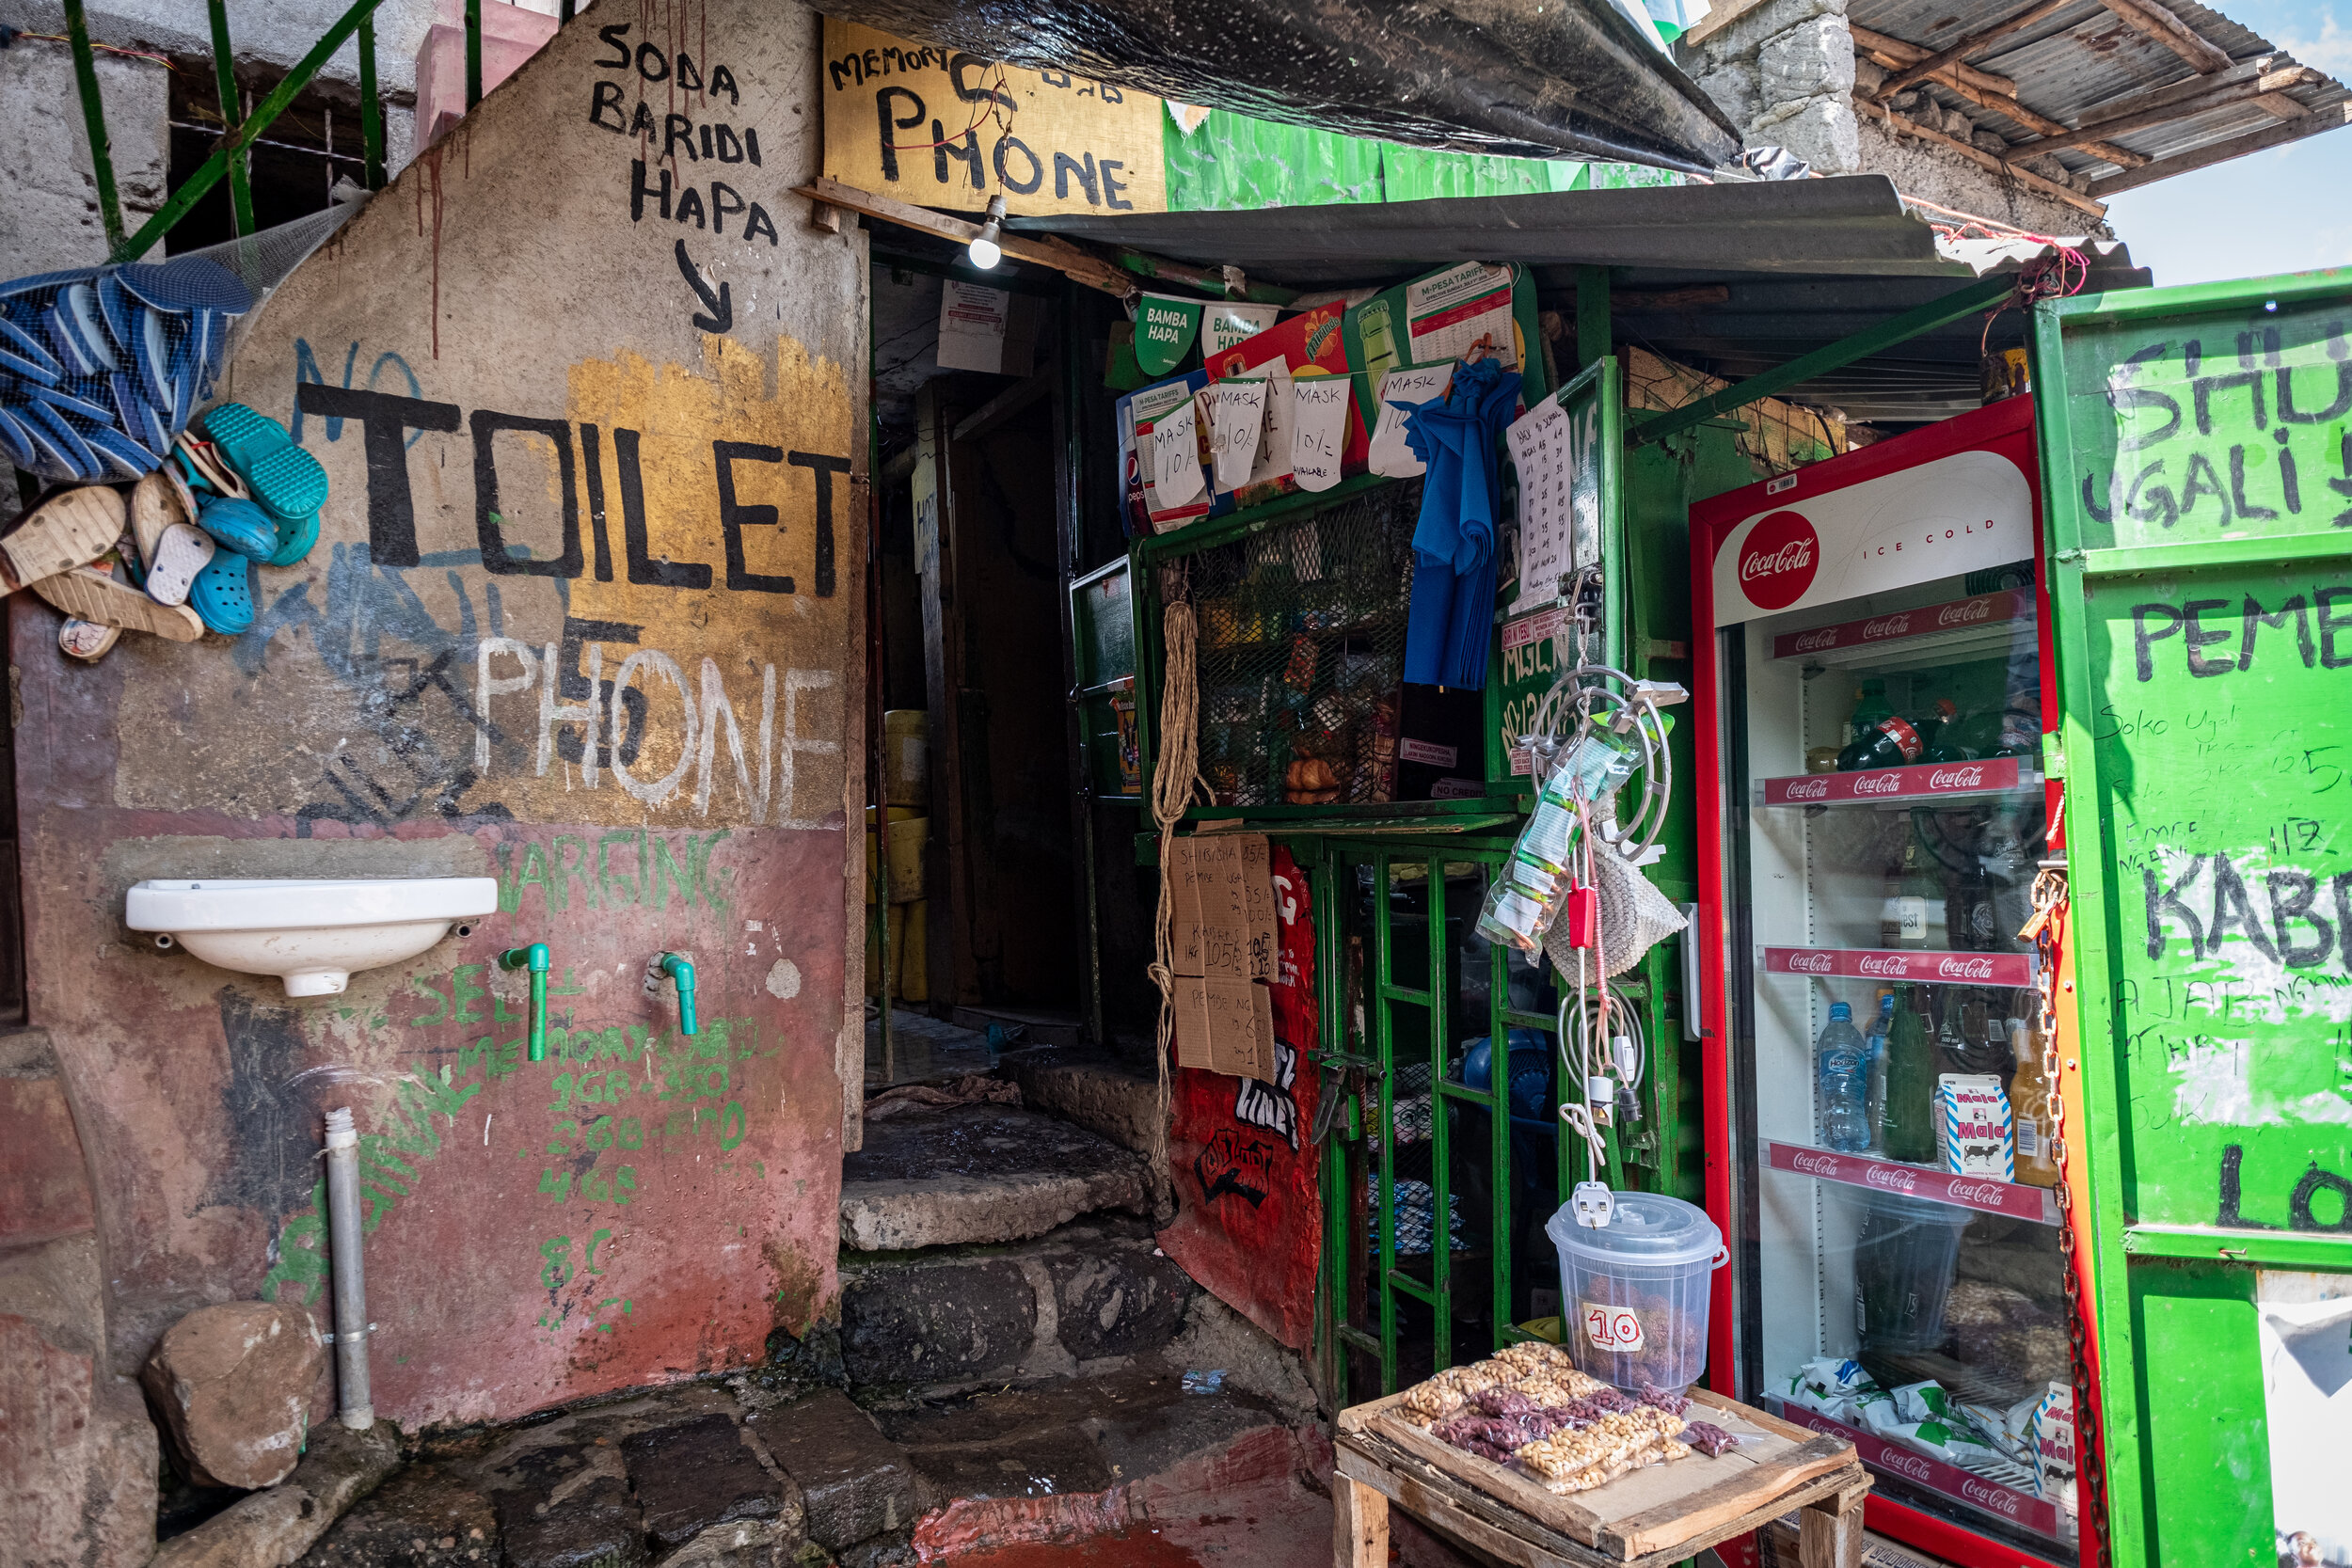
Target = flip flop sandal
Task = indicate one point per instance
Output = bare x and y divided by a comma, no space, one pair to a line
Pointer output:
152,354
89,595
188,283
65,530
181,555
50,428
78,305
155,506
86,639
118,310
68,396
129,459
223,594
283,477
240,526
21,345
201,463
15,444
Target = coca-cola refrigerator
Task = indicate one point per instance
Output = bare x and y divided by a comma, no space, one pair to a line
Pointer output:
1872,806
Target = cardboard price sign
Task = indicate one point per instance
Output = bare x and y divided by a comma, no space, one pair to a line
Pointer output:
1226,1026
1224,946
950,130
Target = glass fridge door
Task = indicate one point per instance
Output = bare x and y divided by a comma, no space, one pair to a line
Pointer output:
1905,1290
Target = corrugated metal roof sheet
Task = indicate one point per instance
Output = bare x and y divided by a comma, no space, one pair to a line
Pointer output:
2084,57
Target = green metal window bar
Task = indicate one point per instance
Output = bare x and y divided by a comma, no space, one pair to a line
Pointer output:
230,160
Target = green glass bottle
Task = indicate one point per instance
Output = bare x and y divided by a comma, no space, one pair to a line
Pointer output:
1908,1131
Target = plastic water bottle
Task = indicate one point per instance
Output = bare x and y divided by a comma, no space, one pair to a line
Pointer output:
1874,1062
1841,1074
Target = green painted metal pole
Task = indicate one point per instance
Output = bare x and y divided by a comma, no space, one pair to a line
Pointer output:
225,79
94,120
1940,311
1440,1158
473,53
264,113
1592,316
370,109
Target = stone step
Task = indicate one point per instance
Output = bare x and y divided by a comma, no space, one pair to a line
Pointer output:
962,1174
1082,1297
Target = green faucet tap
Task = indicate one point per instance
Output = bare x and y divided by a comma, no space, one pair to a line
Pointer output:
681,969
535,958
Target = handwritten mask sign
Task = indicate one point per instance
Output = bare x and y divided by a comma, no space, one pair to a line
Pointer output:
1226,1026
1543,452
1176,455
1392,457
1321,430
1165,329
950,130
1236,421
1228,325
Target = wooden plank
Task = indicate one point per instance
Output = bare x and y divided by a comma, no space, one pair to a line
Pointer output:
2329,118
1423,1502
1679,1523
1753,1415
2154,20
2119,125
1997,93
1386,1458
2024,177
1967,46
1359,1525
1044,250
1829,1533
1718,18
1571,1519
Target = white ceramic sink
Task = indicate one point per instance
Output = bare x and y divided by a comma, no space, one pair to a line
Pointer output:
310,932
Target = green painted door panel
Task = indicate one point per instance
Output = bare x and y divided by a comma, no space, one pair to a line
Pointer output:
2208,1451
2196,470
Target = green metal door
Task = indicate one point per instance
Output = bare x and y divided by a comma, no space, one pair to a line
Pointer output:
2197,459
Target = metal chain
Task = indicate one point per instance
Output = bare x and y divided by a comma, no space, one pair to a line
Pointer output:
2049,907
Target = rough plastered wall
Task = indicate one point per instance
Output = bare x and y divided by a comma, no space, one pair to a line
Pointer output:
1788,74
583,617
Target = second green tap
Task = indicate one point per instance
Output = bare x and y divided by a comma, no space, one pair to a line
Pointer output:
533,957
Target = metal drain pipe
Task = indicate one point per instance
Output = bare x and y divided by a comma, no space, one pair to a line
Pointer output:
356,1406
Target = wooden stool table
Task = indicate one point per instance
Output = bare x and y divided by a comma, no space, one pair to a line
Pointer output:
1653,1517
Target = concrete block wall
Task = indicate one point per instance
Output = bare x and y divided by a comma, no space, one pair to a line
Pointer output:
1788,74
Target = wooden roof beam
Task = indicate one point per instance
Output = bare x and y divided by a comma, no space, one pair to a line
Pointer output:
2001,166
1977,87
2309,124
1044,250
2154,21
2014,23
2218,98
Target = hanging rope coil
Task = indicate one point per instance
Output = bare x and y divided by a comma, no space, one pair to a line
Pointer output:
1175,777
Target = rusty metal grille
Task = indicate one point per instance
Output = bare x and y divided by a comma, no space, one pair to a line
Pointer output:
1301,653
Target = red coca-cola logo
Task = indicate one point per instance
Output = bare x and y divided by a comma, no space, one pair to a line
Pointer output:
1879,783
1886,625
1956,778
1985,1495
1780,557
1965,969
1816,1164
1812,963
1902,1464
1892,1177
1812,641
1885,963
1809,789
1982,1193
1964,612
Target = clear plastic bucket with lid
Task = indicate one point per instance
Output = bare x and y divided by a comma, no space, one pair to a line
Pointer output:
1634,1294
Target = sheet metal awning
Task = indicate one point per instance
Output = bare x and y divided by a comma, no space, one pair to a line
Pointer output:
1728,278
1530,78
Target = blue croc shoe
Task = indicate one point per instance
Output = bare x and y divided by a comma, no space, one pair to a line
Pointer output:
281,475
222,593
295,540
240,526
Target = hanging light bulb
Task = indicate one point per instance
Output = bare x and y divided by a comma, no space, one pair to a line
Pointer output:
985,251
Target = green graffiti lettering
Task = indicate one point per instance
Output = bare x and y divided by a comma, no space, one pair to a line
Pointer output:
607,879
534,873
705,877
575,867
731,1126
463,993
439,1014
662,875
557,1250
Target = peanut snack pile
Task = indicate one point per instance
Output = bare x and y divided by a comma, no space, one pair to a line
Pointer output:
1529,1406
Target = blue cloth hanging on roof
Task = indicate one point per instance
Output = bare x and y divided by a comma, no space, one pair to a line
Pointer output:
1447,630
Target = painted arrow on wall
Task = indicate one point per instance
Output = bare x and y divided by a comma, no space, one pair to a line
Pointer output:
720,307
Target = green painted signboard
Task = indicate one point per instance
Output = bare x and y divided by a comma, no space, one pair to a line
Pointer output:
2197,459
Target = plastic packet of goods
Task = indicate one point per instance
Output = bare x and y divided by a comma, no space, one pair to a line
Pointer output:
2053,1436
1833,1377
1992,1424
1922,1401
1879,1414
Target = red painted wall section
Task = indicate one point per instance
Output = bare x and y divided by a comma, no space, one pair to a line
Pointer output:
1249,1212
581,618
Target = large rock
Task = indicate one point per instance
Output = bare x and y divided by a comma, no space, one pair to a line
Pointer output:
580,1514
936,1324
707,1497
1819,130
280,1524
1810,60
233,1386
855,1483
423,1517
